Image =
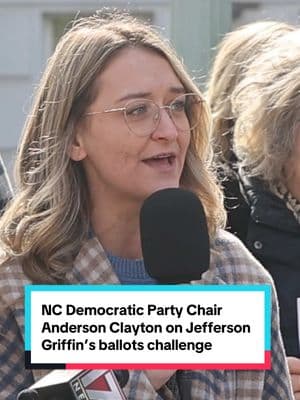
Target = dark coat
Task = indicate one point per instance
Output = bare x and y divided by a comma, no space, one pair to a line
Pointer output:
273,236
238,210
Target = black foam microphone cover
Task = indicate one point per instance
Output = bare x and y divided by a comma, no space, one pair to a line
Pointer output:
28,394
174,236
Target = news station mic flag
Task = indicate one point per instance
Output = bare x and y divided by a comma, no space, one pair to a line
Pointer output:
78,385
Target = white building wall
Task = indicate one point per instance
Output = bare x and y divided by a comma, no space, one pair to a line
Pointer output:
20,49
26,43
282,10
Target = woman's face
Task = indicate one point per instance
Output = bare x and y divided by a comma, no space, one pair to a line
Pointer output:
292,167
119,164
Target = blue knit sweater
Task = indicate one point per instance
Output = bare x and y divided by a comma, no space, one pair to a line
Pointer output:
130,271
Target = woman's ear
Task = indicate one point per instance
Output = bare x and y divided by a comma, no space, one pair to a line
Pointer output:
77,150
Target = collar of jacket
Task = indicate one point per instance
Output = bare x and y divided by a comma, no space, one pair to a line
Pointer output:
265,206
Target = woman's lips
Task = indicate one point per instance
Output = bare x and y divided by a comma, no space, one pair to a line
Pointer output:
165,161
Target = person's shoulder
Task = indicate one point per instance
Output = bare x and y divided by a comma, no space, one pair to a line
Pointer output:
5,185
12,280
235,263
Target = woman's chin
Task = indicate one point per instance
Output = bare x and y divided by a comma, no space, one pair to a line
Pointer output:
163,186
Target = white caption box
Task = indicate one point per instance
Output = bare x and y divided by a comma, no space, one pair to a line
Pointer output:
116,325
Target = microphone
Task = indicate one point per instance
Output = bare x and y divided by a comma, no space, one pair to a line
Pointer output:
28,394
174,236
78,385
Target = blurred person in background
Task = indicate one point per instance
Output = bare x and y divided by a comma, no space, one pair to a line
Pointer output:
234,54
294,366
5,187
114,103
267,143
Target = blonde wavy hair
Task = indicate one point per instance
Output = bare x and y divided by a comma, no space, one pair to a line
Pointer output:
267,103
234,55
47,221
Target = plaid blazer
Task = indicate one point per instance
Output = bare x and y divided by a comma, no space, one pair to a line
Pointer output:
5,187
231,263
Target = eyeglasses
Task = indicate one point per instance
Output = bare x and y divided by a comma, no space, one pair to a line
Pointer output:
142,116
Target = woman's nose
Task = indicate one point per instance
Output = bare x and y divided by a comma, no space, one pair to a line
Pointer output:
166,128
